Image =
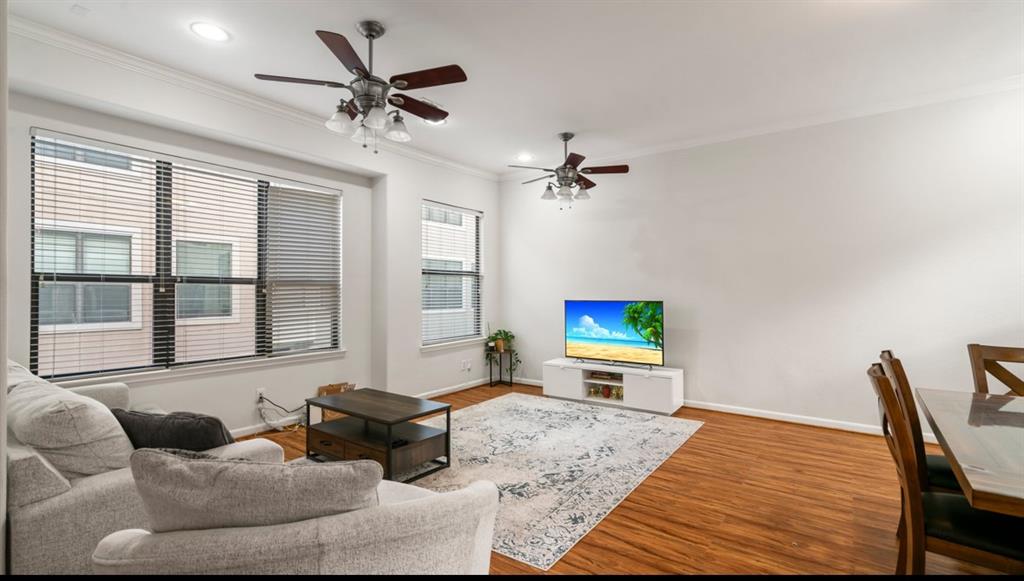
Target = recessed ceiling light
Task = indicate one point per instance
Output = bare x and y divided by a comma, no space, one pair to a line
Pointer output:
210,31
524,156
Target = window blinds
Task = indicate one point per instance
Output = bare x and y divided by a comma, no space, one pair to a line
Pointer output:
146,261
303,270
451,279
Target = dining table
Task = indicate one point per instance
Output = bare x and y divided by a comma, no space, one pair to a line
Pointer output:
982,436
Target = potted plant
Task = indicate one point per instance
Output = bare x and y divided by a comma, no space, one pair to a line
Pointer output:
503,340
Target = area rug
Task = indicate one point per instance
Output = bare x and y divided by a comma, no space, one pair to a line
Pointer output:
560,466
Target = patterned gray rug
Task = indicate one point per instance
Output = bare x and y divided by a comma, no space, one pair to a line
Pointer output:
560,466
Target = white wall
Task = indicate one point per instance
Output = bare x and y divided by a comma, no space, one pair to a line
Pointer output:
3,283
788,261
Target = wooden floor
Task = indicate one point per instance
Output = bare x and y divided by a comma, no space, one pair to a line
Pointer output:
743,495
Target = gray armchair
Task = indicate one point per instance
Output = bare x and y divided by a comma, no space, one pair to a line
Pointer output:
413,531
56,522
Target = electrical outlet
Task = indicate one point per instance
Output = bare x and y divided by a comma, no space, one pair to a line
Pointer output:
261,392
469,365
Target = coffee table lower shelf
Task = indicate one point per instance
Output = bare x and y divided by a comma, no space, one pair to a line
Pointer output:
351,438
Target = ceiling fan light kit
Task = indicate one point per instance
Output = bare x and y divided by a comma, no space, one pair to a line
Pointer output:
365,113
568,175
339,122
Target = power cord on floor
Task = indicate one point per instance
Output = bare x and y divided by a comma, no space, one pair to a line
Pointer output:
262,407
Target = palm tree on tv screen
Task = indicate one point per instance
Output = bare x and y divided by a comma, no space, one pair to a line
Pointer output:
646,319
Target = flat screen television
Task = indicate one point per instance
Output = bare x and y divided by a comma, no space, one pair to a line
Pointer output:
621,331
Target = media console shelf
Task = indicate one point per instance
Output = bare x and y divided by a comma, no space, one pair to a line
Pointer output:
658,390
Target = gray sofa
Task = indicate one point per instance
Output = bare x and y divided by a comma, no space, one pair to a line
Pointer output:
56,522
413,531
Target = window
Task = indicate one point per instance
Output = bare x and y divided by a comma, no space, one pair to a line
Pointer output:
83,155
203,259
303,269
441,291
442,215
451,280
64,253
160,262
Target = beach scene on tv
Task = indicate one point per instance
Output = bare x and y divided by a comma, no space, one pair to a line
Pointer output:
627,331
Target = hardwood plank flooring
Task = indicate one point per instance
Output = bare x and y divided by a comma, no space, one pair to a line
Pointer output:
743,495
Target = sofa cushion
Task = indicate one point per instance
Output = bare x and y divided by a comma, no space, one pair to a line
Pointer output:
195,491
30,478
18,375
181,430
77,434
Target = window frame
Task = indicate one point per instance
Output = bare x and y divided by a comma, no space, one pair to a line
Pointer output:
466,277
134,235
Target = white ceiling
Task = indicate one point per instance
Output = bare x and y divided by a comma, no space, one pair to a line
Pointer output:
623,75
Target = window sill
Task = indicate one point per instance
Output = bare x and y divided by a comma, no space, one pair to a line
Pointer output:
453,344
225,368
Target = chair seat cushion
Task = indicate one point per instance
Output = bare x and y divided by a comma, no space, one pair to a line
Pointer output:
180,430
190,491
940,473
951,518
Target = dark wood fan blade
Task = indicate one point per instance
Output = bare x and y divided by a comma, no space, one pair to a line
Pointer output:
574,160
418,108
342,49
538,179
350,108
606,169
584,182
531,167
430,77
302,81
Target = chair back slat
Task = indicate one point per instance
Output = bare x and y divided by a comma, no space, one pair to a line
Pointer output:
987,359
897,377
896,431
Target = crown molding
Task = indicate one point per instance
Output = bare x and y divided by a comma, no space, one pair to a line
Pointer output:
89,49
935,97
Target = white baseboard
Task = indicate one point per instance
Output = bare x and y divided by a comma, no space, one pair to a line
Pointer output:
779,416
526,381
262,427
452,388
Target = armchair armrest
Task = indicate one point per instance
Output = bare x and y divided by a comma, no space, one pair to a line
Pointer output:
58,535
257,449
112,395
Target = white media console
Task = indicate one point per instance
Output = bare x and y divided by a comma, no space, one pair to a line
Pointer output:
659,389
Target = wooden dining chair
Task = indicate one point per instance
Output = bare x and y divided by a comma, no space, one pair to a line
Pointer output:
940,522
989,359
934,470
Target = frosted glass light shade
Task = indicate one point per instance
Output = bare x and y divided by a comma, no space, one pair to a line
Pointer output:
398,132
549,194
362,134
339,122
376,118
565,192
582,194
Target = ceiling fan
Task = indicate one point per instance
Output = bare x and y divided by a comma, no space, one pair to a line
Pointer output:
365,114
568,175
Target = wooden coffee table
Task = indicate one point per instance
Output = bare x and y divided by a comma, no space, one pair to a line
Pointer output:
379,427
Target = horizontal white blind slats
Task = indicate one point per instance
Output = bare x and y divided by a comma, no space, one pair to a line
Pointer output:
145,261
450,279
303,270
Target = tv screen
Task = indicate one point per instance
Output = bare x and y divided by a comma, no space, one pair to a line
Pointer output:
625,331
